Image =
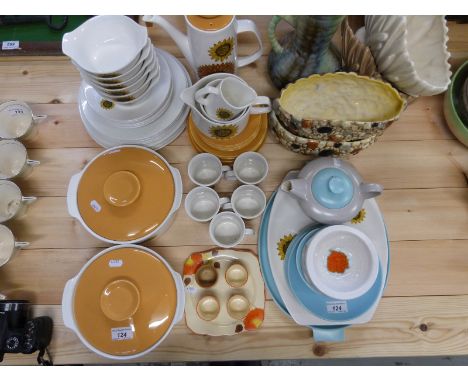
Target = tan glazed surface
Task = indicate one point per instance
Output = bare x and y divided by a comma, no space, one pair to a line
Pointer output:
126,194
139,293
210,23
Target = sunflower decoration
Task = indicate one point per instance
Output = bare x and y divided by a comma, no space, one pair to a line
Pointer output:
283,245
107,105
224,114
359,218
223,132
220,51
225,67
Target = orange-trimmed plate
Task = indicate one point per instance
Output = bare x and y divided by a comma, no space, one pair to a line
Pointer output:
232,304
228,149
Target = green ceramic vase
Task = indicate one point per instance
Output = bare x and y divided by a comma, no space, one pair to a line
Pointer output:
304,51
453,104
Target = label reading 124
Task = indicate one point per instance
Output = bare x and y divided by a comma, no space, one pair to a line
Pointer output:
122,334
337,307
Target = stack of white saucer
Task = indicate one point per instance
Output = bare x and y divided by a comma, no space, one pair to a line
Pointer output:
129,89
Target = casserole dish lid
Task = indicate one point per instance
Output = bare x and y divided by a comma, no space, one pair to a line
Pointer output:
126,193
124,301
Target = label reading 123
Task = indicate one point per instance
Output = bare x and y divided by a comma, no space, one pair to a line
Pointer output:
122,334
337,307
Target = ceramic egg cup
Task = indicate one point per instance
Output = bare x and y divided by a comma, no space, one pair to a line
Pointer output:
224,292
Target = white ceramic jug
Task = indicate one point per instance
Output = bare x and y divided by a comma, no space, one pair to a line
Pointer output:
210,45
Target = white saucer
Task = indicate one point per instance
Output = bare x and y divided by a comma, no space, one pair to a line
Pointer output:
177,129
156,134
128,114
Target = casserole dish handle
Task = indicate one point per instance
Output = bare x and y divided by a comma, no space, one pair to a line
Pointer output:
179,314
72,205
178,189
67,304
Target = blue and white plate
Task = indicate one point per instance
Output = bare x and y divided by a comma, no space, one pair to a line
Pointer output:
318,303
289,220
321,333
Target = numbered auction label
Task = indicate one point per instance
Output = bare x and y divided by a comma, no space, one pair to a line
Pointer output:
10,45
122,334
115,263
16,111
337,307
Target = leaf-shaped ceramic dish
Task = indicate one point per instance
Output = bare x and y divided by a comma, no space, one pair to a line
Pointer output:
338,107
355,55
308,146
411,52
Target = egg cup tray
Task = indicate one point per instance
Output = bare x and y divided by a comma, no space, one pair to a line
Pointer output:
253,289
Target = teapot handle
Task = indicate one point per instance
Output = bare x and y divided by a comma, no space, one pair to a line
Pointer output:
275,45
370,190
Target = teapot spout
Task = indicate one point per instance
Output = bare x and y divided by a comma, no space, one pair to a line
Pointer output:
296,188
179,38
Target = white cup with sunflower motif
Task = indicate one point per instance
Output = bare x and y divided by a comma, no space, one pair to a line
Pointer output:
228,98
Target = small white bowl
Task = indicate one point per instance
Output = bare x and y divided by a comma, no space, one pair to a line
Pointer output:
362,257
106,44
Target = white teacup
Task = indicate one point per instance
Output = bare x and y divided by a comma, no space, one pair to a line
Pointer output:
203,203
225,100
227,229
17,120
12,203
249,168
8,244
205,169
14,160
248,201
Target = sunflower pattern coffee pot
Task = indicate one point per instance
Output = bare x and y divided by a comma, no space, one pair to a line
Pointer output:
210,45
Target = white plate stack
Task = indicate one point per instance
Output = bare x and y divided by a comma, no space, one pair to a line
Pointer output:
129,88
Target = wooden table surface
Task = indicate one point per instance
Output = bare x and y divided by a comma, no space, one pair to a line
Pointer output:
425,204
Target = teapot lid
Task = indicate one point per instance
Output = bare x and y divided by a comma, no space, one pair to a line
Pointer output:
332,188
